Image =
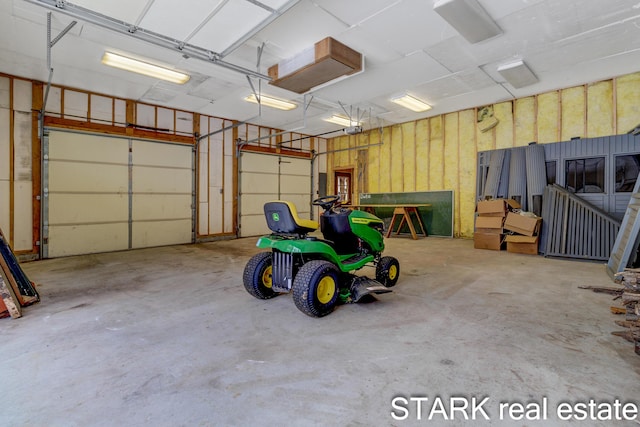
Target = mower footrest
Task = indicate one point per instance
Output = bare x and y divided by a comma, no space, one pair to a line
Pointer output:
362,286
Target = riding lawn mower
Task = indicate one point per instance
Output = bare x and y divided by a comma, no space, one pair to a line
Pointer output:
319,271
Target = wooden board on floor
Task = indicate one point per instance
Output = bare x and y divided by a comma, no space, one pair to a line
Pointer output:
23,289
9,298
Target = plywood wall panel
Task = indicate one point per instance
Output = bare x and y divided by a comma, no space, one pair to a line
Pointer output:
166,119
22,143
184,122
5,212
22,218
5,144
76,105
5,92
145,115
54,102
101,109
22,95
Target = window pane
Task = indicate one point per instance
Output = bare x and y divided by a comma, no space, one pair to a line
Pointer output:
585,175
627,169
551,172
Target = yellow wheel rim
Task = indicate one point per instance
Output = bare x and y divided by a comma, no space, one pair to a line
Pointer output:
326,289
266,277
393,272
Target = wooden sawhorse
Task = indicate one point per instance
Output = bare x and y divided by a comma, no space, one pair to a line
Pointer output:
404,213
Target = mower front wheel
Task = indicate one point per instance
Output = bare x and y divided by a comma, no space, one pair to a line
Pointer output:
316,288
257,276
388,271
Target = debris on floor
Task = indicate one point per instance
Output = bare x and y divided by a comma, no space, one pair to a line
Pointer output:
629,296
16,290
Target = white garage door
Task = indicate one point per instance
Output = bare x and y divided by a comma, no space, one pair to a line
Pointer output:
266,177
106,193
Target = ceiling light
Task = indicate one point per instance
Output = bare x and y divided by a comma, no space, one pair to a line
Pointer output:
517,74
269,101
412,103
468,18
342,121
146,68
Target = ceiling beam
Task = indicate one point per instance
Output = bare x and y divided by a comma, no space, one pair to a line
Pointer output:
131,30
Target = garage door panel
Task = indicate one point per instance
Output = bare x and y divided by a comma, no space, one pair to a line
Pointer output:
302,204
160,233
161,206
296,185
253,204
87,208
254,225
267,177
158,154
88,177
89,194
256,183
87,239
161,180
82,147
260,163
292,166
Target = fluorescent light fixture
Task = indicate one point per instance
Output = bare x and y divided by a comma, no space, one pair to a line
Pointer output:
342,121
517,74
412,103
272,102
468,18
146,68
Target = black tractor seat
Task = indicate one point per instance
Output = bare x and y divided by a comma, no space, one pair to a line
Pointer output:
282,217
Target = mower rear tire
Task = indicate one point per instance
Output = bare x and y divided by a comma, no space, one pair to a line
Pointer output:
316,288
257,276
388,271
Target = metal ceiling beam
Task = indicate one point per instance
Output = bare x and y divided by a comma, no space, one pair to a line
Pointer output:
131,30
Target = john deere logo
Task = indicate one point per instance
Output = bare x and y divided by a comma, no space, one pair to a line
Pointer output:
275,217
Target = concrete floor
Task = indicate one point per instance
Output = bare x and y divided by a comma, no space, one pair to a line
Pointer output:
169,337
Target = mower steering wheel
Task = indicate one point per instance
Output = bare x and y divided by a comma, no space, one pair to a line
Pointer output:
326,202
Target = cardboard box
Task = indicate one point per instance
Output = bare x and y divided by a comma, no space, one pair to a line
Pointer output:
489,224
491,241
522,244
527,226
496,207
